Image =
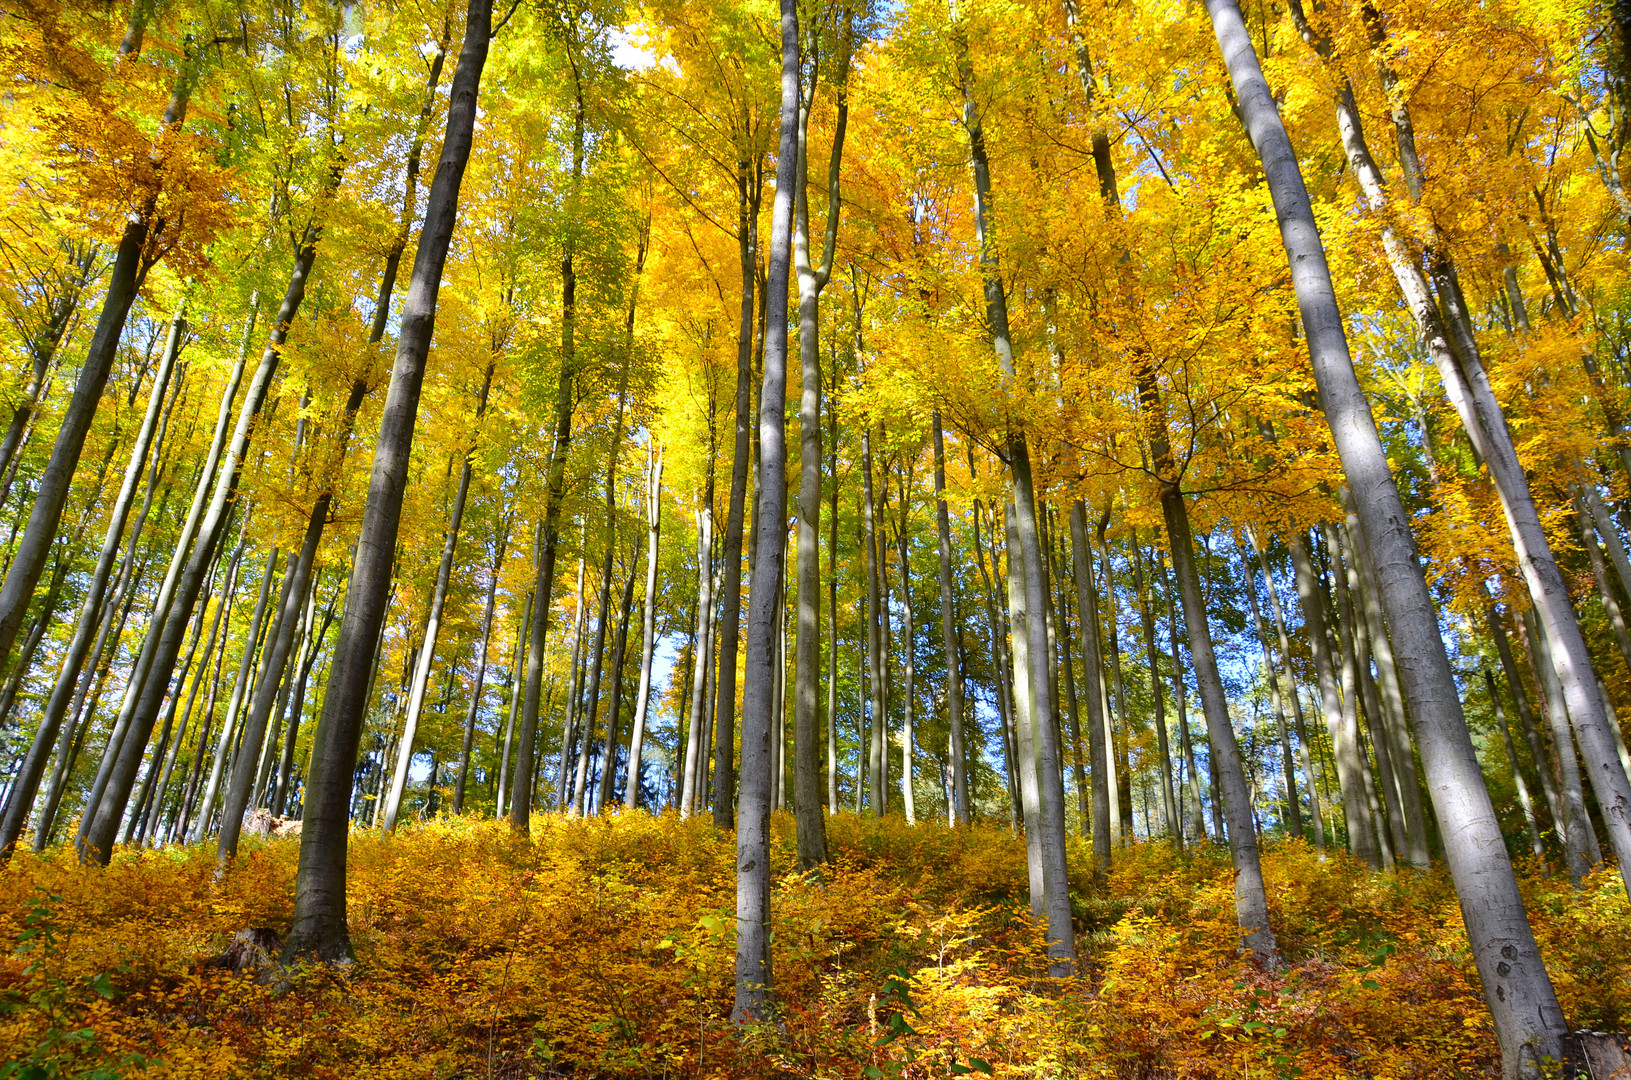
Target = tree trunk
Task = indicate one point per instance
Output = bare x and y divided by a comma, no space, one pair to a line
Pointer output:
319,923
516,689
597,652
1146,612
749,179
754,981
1251,898
700,658
1315,803
1394,724
648,624
1030,801
433,623
909,649
812,829
1271,672
1528,1020
481,671
961,812
1005,704
1087,618
878,736
1049,777
1524,802
832,609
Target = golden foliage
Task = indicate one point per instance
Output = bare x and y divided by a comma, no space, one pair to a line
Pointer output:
605,948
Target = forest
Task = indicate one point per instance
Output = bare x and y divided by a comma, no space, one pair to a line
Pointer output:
815,538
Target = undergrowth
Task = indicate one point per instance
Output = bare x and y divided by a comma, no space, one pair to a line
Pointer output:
605,948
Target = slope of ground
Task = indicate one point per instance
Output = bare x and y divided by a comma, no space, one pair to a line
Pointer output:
604,949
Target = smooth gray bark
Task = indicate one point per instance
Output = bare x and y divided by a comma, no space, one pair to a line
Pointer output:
1087,619
754,978
700,658
961,812
648,622
1528,1020
481,671
1251,896
909,665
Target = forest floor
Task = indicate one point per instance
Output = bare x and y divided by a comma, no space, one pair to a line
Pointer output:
604,948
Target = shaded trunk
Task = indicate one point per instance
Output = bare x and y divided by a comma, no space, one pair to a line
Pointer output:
319,923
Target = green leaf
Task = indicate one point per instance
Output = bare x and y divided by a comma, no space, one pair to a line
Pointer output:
102,986
981,1065
960,1070
873,1072
1371,984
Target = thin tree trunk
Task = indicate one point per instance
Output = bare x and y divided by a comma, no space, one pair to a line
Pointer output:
597,652
700,658
961,812
832,608
516,689
749,180
319,923
1524,802
1169,796
481,671
1025,715
433,623
1271,672
877,740
229,725
812,829
1394,724
1087,618
648,624
1529,1022
909,650
1251,897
